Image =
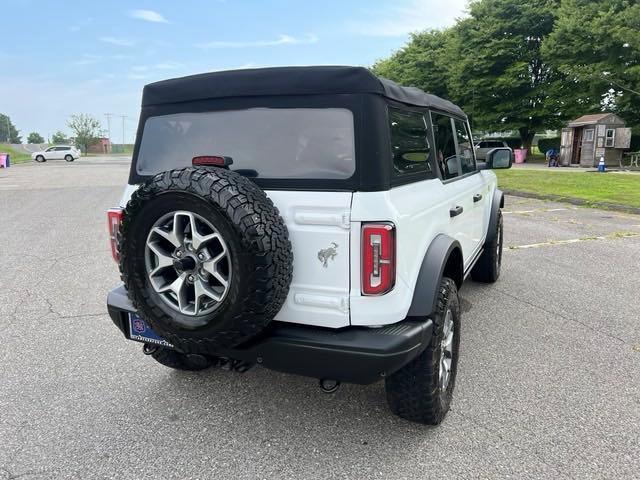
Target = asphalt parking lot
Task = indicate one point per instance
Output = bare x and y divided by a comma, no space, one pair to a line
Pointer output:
548,383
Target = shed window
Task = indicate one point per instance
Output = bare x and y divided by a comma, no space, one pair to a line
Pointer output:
588,136
610,137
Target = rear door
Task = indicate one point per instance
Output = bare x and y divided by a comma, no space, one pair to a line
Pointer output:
320,231
59,153
477,184
461,185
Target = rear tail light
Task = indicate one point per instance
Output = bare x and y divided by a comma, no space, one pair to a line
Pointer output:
378,258
114,217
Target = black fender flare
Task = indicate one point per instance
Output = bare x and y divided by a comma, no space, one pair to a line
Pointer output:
425,294
496,205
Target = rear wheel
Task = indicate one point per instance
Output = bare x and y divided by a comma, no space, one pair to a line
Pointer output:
68,158
40,159
487,270
422,390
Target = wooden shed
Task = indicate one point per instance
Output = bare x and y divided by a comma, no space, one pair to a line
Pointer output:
590,137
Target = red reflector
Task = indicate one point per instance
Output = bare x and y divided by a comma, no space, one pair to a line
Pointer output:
211,160
378,258
114,217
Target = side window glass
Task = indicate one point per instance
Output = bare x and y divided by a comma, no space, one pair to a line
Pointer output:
465,149
409,142
445,147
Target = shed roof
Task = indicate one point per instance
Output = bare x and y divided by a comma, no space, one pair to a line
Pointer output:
280,81
595,118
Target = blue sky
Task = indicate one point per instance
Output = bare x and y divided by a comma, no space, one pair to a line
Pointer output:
59,58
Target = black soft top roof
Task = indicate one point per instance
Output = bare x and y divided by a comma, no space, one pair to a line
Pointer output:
288,81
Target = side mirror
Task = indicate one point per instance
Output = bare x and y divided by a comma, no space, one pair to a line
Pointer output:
499,158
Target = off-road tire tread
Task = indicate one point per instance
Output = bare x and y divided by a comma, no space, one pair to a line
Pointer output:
486,269
413,392
261,231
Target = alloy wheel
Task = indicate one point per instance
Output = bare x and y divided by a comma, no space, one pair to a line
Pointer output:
446,351
188,263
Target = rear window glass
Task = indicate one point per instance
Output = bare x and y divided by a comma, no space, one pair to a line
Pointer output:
409,142
276,143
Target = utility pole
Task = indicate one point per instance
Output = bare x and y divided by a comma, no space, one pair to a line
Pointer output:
123,117
109,115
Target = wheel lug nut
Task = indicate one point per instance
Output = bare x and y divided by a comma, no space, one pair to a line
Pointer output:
178,254
201,256
191,278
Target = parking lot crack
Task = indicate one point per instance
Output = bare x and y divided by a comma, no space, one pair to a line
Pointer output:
564,317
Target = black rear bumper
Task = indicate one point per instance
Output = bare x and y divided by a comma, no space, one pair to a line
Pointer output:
353,354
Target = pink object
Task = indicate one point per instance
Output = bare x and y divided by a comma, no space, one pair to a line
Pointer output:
520,154
4,160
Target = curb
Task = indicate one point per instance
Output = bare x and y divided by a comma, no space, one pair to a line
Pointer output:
574,201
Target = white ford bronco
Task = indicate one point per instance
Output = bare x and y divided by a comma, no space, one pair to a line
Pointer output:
313,220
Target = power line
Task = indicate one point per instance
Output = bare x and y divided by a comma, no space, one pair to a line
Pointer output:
123,117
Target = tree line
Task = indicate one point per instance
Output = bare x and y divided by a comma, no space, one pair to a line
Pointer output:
529,65
86,132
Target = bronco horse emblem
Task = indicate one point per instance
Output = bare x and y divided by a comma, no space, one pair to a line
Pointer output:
327,254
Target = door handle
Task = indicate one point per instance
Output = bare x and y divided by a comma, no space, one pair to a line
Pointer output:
455,211
477,197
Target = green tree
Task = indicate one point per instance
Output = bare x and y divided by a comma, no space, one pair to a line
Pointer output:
424,62
59,138
501,75
86,130
8,131
597,46
35,137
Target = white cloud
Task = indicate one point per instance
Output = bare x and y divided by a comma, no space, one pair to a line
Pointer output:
121,42
139,68
281,40
148,16
409,16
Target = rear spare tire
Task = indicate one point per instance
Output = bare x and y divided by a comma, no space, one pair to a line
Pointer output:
205,257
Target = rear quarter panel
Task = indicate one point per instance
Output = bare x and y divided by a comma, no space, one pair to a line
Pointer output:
420,212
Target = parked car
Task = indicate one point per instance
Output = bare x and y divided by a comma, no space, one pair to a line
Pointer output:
57,152
313,220
484,146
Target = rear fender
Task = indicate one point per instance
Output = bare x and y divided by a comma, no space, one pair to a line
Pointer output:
496,205
425,295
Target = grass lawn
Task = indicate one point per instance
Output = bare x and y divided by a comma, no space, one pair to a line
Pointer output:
14,156
616,188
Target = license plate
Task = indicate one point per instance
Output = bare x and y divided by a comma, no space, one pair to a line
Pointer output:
140,331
